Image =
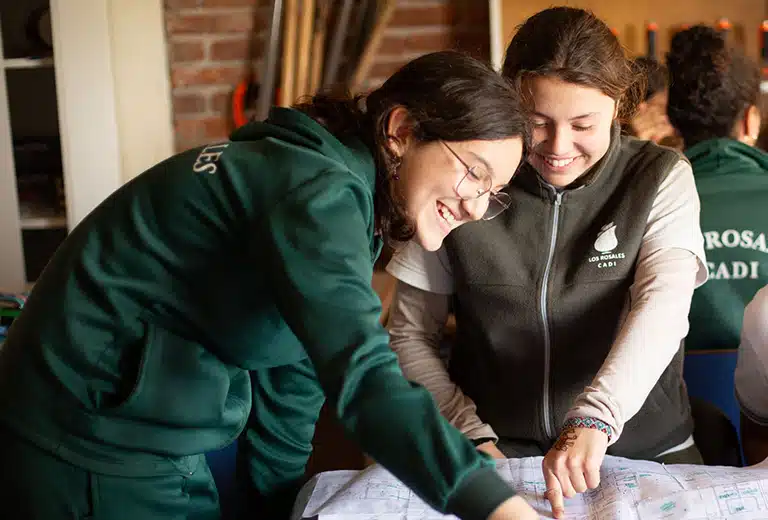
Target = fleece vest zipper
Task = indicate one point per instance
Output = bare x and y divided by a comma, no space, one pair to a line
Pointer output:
547,410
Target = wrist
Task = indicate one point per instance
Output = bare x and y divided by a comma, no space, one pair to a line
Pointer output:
590,423
515,507
479,495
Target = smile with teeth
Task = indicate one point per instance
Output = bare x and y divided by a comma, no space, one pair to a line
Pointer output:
446,214
558,163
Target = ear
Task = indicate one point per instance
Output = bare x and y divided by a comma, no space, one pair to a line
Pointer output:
752,123
399,130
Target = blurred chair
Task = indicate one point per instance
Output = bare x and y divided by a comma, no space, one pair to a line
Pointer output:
222,463
709,377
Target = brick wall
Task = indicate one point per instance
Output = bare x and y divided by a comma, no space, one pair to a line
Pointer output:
212,44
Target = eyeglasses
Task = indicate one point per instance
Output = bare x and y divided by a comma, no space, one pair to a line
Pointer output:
476,183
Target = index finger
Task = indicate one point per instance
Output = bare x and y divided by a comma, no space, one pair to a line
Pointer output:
554,493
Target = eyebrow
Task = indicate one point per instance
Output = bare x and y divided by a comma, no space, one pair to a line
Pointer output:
485,163
582,116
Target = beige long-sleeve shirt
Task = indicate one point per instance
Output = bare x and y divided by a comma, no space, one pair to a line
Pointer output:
671,264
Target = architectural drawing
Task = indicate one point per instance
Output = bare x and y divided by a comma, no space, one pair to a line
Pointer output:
629,490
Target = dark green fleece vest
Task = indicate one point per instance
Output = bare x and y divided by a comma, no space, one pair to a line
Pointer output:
539,296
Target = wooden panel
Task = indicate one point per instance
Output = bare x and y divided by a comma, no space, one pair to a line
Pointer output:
630,19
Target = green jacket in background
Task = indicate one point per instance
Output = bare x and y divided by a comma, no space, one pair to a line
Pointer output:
732,181
228,289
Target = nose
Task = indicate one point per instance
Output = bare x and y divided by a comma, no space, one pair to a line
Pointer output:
476,208
560,141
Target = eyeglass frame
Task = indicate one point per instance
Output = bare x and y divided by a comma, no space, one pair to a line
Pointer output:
498,198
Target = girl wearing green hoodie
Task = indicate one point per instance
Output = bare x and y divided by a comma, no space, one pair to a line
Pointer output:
713,102
226,293
714,95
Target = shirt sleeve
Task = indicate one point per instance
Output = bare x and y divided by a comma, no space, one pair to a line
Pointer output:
673,221
426,270
317,249
671,264
416,323
751,376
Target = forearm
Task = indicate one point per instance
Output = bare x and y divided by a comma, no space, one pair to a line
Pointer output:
416,323
648,339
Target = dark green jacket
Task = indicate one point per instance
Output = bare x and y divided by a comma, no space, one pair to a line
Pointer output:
732,181
134,350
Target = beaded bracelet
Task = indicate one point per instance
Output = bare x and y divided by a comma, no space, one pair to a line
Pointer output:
589,422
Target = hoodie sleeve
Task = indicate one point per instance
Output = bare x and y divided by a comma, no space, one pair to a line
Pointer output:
317,249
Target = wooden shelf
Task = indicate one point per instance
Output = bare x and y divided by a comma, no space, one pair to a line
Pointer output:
27,63
42,218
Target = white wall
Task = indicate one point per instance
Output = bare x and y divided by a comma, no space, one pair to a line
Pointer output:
142,86
114,95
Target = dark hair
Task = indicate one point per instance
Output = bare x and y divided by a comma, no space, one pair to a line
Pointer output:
655,74
711,85
576,47
449,96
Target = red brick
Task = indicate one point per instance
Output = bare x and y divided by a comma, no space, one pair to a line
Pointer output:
467,14
415,42
202,129
190,4
227,26
221,102
230,49
183,76
237,21
188,103
422,15
187,51
247,48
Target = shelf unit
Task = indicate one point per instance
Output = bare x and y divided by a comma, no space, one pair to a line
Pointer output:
32,214
36,217
27,63
113,99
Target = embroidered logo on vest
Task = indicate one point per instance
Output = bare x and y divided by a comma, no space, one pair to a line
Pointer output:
605,243
606,239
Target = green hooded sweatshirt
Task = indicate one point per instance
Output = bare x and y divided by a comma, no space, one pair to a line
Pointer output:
732,181
228,290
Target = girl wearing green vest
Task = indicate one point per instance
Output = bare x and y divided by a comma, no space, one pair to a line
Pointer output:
226,293
571,306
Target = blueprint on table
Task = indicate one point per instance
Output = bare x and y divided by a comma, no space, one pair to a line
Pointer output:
629,490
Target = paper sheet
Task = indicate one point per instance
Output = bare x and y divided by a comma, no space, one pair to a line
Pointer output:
629,490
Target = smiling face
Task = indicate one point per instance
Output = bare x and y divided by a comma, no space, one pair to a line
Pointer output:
571,128
430,176
430,173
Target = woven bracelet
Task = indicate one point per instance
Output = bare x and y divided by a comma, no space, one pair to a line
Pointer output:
589,422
